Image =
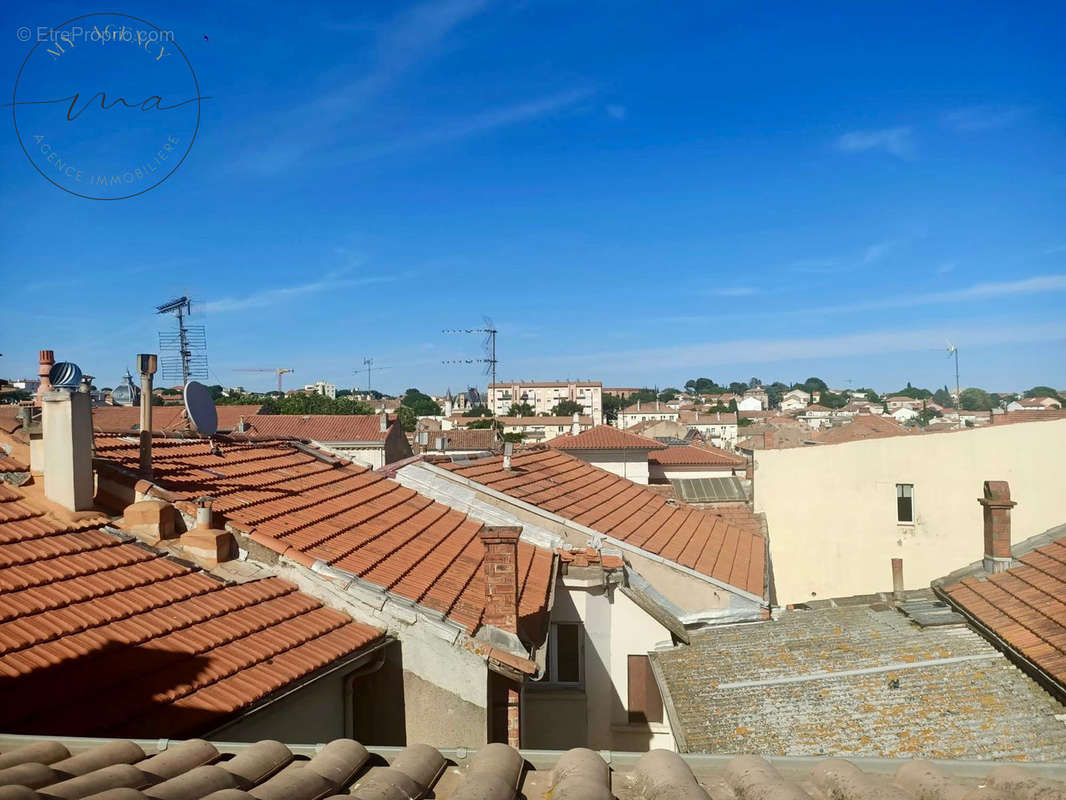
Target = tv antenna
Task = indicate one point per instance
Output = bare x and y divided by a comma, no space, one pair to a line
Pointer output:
184,351
489,346
954,351
368,367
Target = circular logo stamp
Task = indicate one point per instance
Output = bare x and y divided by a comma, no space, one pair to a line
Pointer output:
106,106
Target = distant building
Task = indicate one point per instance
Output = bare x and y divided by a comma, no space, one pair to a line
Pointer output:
543,396
750,403
624,392
321,387
646,411
901,401
795,400
371,440
610,449
1033,404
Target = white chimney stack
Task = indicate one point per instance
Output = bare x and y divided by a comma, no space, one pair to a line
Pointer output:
67,425
384,421
508,448
203,512
575,426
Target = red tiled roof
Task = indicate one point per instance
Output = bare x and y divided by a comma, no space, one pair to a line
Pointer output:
860,428
649,408
459,439
604,437
562,484
696,455
9,464
1024,606
124,419
589,556
319,427
102,637
709,417
9,421
357,520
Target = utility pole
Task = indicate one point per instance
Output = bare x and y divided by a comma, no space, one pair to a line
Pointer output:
489,360
954,351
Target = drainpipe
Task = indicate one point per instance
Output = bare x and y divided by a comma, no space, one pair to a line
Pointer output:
349,690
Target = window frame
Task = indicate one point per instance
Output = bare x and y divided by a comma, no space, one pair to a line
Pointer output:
552,660
901,494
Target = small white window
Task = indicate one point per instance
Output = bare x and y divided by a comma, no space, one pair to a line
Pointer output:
905,502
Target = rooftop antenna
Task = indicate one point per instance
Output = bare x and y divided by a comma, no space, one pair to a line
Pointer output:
184,351
954,351
368,367
489,345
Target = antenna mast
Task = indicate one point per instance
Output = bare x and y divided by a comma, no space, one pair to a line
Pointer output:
185,350
954,351
489,360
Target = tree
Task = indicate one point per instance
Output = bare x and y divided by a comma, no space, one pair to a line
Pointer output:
306,404
612,404
830,400
976,400
812,385
408,418
477,411
736,387
480,423
521,410
1044,391
566,408
774,392
754,383
668,394
422,404
942,397
703,386
925,415
513,437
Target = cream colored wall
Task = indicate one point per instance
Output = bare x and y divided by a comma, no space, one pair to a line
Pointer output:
631,464
831,510
614,628
660,473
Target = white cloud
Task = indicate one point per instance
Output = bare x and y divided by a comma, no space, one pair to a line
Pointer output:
748,351
982,118
877,251
735,291
617,111
478,124
895,141
269,297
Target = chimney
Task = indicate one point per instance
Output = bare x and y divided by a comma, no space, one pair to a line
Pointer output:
997,504
47,360
897,578
206,545
638,405
68,447
384,421
508,448
501,576
241,425
146,366
575,426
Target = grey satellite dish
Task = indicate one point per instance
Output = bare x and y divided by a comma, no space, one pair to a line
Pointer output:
65,375
201,408
126,394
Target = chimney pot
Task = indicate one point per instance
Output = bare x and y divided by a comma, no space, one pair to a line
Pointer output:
203,512
46,360
897,578
384,421
997,505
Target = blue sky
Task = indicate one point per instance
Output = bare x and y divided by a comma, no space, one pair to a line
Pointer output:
634,192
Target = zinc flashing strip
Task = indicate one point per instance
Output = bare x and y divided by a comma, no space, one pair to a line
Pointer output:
631,548
850,673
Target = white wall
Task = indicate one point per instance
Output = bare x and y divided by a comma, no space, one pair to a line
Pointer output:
660,473
831,509
631,464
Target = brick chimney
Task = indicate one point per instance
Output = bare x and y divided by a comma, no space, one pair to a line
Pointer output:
501,576
46,360
997,505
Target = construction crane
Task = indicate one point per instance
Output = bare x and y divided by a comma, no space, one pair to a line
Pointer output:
279,370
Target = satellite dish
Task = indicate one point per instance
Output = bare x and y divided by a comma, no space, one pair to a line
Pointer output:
65,375
201,408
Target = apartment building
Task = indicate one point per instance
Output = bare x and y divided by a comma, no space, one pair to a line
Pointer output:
543,396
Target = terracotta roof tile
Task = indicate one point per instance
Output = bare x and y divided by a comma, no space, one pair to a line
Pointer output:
573,489
1024,606
319,427
125,419
9,464
691,454
313,509
459,439
605,437
143,634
